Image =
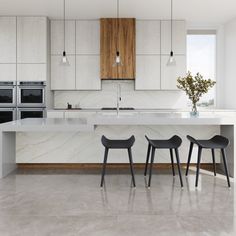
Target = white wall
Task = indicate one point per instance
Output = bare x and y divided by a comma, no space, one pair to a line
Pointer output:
230,65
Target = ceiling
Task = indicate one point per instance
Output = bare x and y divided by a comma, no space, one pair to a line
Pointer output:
194,11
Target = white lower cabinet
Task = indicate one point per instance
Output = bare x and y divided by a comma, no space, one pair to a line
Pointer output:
147,72
78,114
8,72
62,76
169,74
31,72
87,72
55,114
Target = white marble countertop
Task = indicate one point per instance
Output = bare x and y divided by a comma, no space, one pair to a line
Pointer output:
48,125
108,118
167,118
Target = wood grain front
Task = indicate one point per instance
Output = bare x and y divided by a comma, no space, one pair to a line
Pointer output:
112,39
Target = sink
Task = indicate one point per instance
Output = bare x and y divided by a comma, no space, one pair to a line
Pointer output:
114,108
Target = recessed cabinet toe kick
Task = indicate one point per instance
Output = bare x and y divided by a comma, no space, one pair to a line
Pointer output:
58,140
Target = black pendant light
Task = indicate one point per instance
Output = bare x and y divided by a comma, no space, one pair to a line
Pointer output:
117,59
171,61
64,59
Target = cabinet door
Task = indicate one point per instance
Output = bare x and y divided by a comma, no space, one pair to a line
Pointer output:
31,40
148,37
62,76
55,114
123,39
87,37
148,72
8,39
57,37
31,72
87,73
8,72
169,74
179,37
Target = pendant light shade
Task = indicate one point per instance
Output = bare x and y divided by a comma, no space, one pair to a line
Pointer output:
117,59
64,59
171,61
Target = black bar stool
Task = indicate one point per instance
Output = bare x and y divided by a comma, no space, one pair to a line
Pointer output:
172,143
118,144
217,142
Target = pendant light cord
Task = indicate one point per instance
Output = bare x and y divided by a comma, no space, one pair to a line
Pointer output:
117,24
64,23
171,27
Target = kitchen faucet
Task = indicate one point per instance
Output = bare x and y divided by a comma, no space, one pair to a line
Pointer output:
118,98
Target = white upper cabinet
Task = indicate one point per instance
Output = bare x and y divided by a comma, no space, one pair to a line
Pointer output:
31,72
148,37
8,40
88,37
62,76
31,39
169,74
147,72
87,72
8,72
179,37
57,37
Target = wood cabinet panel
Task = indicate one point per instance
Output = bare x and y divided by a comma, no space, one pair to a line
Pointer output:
125,36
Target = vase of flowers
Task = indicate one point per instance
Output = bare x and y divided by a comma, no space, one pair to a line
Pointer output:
194,87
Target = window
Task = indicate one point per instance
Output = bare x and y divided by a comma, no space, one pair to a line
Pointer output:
201,57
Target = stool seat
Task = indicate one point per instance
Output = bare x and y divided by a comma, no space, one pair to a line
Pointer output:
216,142
173,142
118,143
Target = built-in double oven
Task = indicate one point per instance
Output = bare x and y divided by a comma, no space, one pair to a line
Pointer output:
7,101
31,100
22,100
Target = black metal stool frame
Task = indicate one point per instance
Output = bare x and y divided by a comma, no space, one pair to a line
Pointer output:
152,149
130,143
200,144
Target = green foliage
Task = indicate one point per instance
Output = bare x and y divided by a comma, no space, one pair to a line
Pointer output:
194,86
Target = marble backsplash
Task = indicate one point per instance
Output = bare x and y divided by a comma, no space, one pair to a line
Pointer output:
107,97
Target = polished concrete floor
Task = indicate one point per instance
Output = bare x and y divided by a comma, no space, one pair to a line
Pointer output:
57,203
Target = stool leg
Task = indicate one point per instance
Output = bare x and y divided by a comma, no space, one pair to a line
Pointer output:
213,159
172,161
189,157
104,166
178,164
150,170
147,159
131,166
225,164
198,164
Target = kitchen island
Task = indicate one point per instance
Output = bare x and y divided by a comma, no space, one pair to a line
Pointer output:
61,140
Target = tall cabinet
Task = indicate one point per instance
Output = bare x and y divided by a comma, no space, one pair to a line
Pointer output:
153,46
23,46
83,50
8,48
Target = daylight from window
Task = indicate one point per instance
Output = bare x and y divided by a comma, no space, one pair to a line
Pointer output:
201,57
